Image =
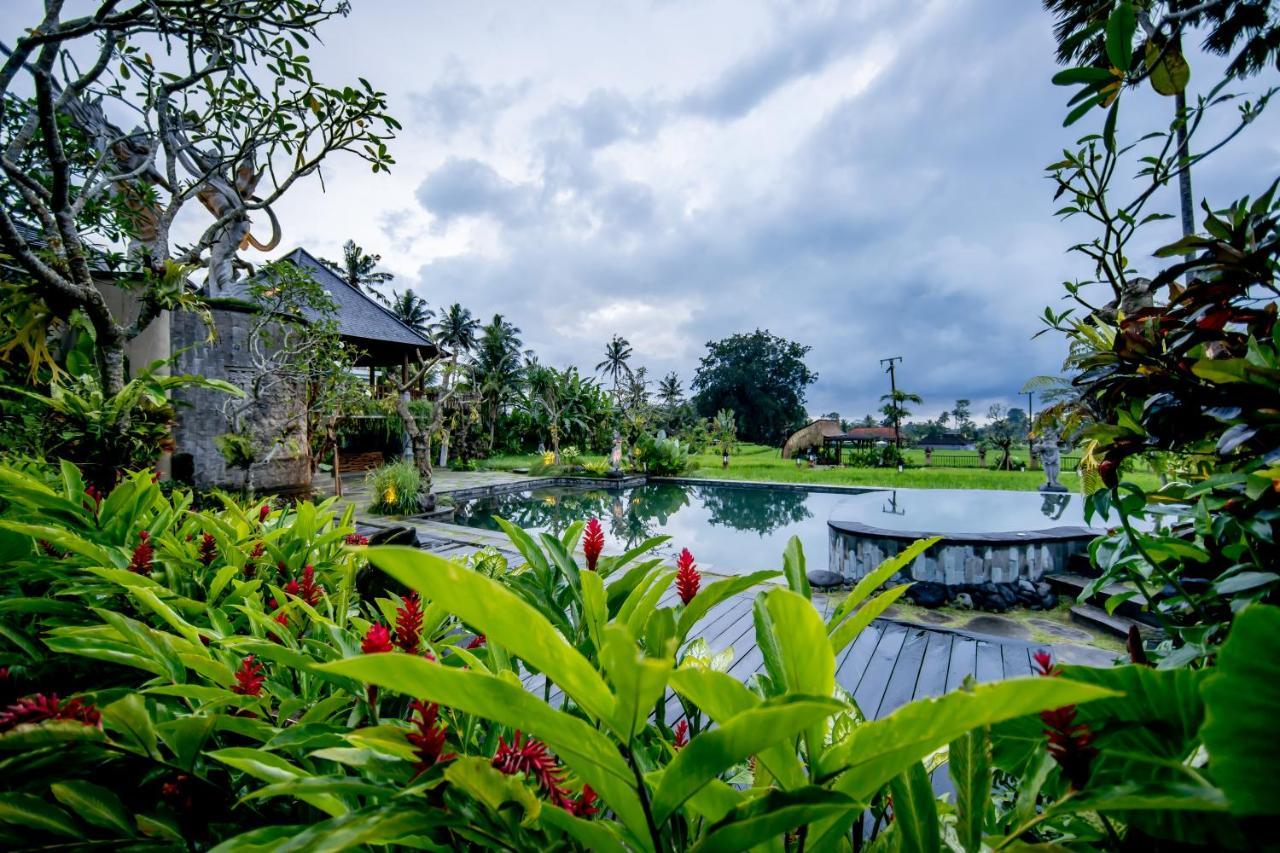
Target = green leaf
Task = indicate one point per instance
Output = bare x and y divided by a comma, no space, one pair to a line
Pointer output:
875,752
638,681
93,804
1120,29
848,630
714,593
30,735
586,751
33,812
1084,74
771,816
808,666
1240,699
969,761
502,616
595,608
186,737
269,767
711,753
915,812
597,836
721,697
130,718
879,576
491,786
793,568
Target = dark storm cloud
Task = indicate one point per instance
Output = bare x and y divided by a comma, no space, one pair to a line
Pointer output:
911,217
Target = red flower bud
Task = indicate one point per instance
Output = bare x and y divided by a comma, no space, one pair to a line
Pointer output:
593,542
409,623
376,639
688,579
249,678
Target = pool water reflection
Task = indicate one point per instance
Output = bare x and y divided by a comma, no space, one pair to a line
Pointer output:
729,529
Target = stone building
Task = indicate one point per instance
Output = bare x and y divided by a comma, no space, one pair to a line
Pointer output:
382,339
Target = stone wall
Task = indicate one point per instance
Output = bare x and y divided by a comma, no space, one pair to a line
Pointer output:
853,555
200,411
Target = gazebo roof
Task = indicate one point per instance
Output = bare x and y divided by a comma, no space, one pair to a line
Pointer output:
382,337
867,434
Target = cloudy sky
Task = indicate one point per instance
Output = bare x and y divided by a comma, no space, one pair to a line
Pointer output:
865,177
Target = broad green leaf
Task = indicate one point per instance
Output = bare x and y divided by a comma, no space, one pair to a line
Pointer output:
148,641
60,538
186,737
793,567
647,603
269,767
745,734
130,718
1120,29
638,681
93,804
1240,699
772,816
30,735
31,811
597,836
586,751
969,759
721,697
524,544
501,615
877,577
915,812
379,826
485,783
808,665
714,593
875,752
595,608
848,630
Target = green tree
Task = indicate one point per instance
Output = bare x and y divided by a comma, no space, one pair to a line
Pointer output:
895,408
498,370
963,416
617,355
209,118
670,392
455,333
761,377
359,269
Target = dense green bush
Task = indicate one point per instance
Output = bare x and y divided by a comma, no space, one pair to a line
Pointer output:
396,489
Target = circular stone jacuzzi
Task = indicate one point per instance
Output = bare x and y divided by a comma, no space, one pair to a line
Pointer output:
995,547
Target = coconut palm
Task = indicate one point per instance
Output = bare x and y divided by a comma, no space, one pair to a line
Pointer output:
498,370
617,354
412,310
670,392
358,269
455,333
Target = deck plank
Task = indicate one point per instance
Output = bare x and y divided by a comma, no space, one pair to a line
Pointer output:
1017,661
875,680
906,672
937,660
964,661
851,667
990,664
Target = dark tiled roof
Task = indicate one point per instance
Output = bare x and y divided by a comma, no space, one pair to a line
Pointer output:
359,316
861,433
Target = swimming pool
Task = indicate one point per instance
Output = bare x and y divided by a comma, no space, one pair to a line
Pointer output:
730,529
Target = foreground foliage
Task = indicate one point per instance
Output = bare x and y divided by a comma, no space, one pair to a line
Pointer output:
264,688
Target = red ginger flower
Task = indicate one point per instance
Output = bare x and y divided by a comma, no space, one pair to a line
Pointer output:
687,577
409,623
356,539
593,543
43,706
532,757
477,641
307,589
258,550
585,804
1070,743
376,639
249,678
141,562
428,740
263,512
682,734
208,551
95,494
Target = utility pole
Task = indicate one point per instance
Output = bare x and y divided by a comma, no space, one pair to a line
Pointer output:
893,397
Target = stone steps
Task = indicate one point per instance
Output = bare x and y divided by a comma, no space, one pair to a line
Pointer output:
1072,586
1115,624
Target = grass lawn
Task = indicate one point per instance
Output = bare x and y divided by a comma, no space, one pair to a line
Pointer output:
755,462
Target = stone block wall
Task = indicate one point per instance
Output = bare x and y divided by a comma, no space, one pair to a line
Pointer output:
853,555
200,410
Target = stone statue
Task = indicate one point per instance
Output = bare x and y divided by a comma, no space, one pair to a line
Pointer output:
1046,448
615,457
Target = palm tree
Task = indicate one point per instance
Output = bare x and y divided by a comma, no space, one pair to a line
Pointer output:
454,332
498,370
412,310
554,399
616,355
670,393
895,410
358,269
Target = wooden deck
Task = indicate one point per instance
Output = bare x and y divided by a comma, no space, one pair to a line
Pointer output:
888,665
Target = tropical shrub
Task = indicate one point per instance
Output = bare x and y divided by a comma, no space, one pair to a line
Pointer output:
224,663
396,488
664,457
